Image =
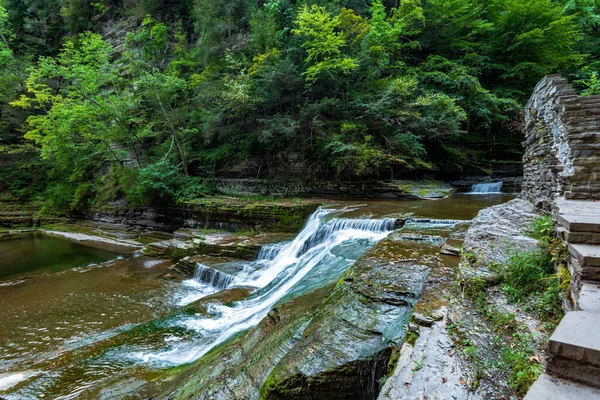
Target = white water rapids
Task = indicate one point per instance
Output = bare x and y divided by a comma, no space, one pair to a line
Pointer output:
275,274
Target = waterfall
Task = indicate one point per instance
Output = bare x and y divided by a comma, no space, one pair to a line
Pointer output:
335,225
213,277
281,271
490,187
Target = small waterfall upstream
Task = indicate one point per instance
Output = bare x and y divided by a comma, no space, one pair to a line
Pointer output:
275,274
487,188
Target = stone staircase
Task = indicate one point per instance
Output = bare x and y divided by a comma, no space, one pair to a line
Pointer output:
562,174
572,364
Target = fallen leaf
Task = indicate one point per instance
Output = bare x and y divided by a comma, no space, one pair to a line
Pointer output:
462,382
535,358
444,380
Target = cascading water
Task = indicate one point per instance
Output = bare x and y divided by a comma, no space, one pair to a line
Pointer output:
212,277
309,251
269,252
487,188
363,224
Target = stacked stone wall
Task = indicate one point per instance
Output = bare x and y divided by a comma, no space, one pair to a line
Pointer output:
562,139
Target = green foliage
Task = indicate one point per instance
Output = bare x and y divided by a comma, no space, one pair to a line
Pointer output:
542,229
591,85
523,370
514,343
323,42
353,153
300,90
525,273
160,180
535,280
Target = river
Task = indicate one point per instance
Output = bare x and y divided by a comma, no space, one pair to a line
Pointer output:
77,320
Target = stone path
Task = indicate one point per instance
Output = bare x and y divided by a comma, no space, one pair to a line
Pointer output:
572,365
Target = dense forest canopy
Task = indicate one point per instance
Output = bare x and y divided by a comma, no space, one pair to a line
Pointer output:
152,99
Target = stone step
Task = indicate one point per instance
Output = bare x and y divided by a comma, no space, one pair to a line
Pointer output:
581,222
577,237
582,273
563,206
547,387
586,136
589,297
584,173
573,351
591,162
590,99
591,125
592,107
585,179
581,196
585,146
587,255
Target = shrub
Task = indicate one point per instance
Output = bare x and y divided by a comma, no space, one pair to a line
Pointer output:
526,273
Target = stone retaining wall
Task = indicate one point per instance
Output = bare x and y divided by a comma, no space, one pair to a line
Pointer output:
561,142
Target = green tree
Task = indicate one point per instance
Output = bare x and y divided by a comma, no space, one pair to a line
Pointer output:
388,35
530,39
323,42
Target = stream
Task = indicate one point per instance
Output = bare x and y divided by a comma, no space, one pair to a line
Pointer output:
79,321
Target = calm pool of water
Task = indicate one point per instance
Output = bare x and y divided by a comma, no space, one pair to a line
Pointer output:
40,254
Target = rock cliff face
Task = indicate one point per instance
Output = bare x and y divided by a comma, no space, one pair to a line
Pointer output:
561,142
333,189
223,214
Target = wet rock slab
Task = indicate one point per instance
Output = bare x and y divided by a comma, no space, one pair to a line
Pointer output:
190,242
187,265
97,241
332,343
346,348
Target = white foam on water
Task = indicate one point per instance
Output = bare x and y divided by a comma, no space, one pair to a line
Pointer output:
9,380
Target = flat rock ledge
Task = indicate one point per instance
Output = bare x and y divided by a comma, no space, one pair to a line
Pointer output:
117,245
495,234
97,241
